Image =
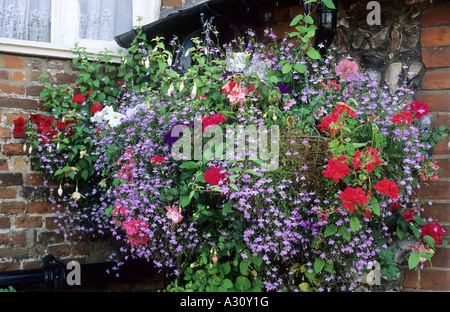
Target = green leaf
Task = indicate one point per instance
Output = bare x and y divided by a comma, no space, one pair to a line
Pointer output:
430,240
354,224
413,260
329,4
189,165
300,68
375,205
185,200
330,230
329,267
296,19
313,54
227,207
318,265
345,234
286,68
242,283
226,283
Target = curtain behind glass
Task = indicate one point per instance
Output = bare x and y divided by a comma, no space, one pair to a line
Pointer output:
104,19
26,19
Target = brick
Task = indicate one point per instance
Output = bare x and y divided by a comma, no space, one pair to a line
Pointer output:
12,61
9,89
41,207
4,238
82,249
441,258
13,252
10,179
34,179
5,223
436,57
7,193
5,133
435,190
9,266
438,280
442,148
35,193
4,165
435,17
18,76
438,101
437,211
4,74
66,78
435,37
13,116
53,223
442,120
13,149
20,165
28,222
19,238
436,79
34,90
444,167
172,3
12,207
59,250
47,238
18,103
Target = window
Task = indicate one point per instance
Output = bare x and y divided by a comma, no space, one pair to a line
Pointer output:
51,27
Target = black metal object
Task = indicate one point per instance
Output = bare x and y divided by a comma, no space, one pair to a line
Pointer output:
327,22
52,276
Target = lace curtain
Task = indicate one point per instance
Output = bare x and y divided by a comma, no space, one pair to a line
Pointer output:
26,19
105,19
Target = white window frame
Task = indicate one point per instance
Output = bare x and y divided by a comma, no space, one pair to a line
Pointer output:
65,31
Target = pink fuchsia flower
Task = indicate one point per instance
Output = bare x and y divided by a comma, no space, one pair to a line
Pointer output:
418,247
347,69
235,93
157,160
174,214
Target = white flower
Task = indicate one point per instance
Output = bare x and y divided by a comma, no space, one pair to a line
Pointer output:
100,116
83,154
114,119
76,195
60,190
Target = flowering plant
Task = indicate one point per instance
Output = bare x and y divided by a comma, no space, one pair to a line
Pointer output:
336,188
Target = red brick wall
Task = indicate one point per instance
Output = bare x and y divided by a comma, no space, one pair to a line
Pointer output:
27,228
435,49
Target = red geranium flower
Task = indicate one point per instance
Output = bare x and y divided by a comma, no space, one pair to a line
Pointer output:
421,109
19,126
351,196
336,168
95,108
387,187
402,118
157,160
214,175
434,230
213,120
366,160
79,98
37,118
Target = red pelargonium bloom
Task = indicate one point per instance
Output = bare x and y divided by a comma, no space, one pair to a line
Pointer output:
387,187
351,196
331,123
213,120
157,160
47,136
62,125
36,118
336,168
434,230
409,215
402,118
343,107
46,124
366,160
214,175
79,98
136,231
330,85
95,108
420,109
19,126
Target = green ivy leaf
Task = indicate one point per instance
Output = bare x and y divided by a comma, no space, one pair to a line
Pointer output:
318,265
330,230
242,283
354,224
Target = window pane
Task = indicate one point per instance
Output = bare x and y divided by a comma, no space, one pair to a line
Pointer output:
26,19
104,19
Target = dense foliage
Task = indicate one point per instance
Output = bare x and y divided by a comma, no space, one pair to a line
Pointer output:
151,162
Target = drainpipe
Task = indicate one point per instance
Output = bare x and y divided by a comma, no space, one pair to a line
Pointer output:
52,276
